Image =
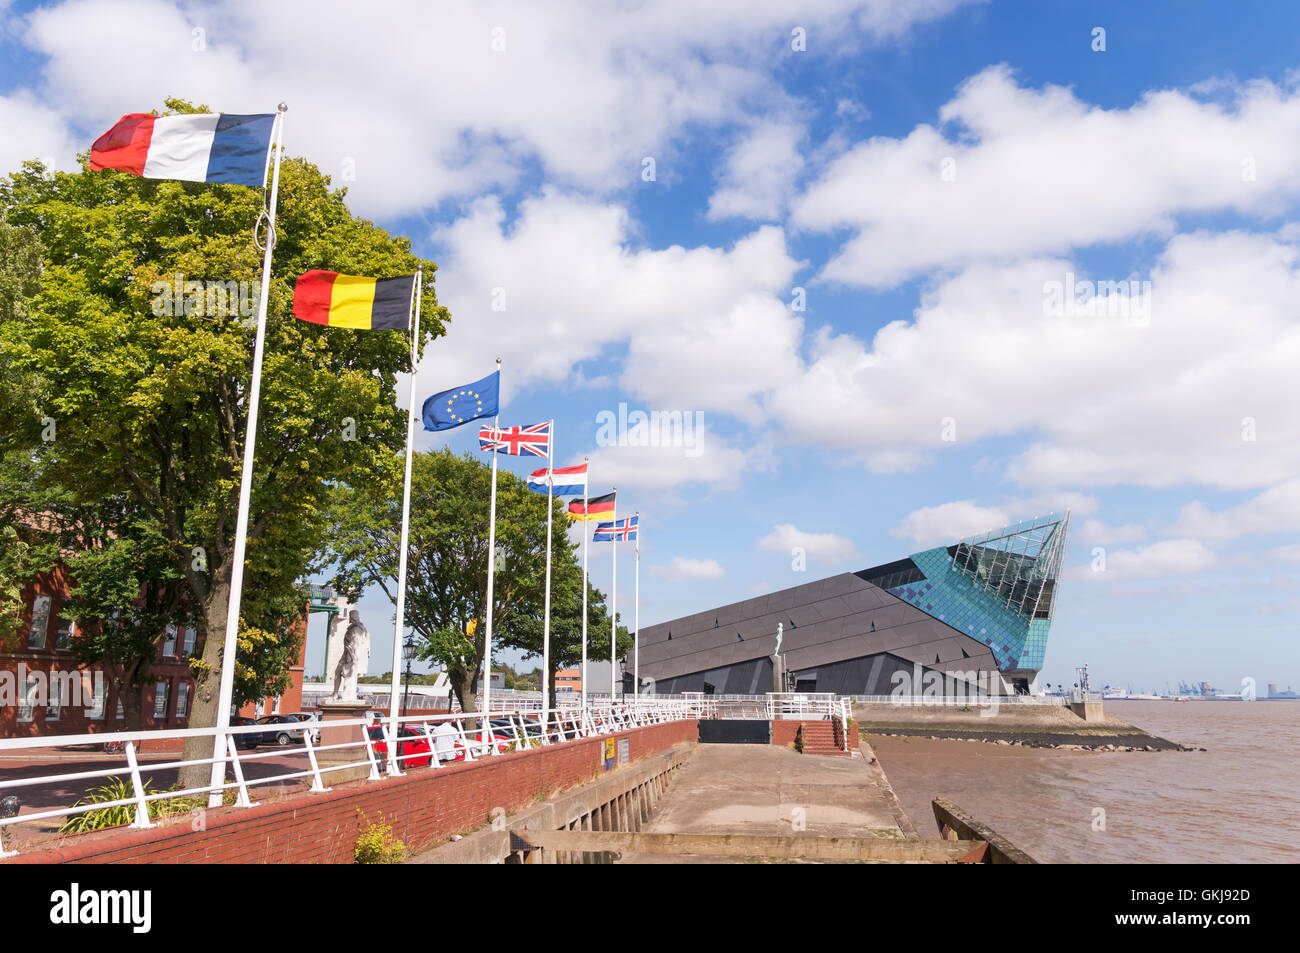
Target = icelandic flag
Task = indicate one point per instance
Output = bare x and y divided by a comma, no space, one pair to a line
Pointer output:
206,147
623,530
563,478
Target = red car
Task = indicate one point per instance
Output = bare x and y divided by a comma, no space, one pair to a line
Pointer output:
410,743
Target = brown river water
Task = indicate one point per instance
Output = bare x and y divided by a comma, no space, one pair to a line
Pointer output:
1236,802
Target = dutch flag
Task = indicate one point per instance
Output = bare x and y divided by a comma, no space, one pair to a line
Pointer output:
207,147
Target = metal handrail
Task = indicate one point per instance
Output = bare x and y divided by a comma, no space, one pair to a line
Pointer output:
521,730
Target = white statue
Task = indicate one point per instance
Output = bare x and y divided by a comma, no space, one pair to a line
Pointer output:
354,661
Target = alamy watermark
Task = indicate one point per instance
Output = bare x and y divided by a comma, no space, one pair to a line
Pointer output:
206,298
33,688
655,428
978,689
1098,299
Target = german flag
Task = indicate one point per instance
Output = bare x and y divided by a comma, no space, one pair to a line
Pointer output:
593,508
346,301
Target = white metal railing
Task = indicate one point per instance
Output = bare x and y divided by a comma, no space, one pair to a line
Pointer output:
421,741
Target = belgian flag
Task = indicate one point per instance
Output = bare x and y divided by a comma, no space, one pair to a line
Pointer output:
593,508
347,301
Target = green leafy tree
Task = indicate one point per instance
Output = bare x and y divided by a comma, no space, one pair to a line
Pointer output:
446,593
148,388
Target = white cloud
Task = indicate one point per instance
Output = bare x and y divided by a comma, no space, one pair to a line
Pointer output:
948,522
682,569
710,461
1040,171
1170,557
417,95
830,547
760,172
1095,531
32,131
1276,510
706,329
1199,391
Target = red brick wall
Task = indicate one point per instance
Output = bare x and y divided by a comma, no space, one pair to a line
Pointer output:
424,807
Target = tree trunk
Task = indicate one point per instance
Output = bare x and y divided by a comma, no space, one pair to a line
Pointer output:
463,684
207,681
131,696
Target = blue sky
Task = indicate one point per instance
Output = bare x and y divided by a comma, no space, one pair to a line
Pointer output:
922,170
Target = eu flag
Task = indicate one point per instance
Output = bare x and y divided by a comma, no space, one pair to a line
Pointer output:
451,408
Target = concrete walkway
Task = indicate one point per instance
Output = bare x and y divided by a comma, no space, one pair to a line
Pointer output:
765,789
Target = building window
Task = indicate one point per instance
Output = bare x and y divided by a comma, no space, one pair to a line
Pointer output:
121,715
169,642
97,698
160,698
39,631
27,705
187,646
275,705
63,640
54,707
183,700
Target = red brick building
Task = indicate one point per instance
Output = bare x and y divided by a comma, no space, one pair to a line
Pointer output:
41,658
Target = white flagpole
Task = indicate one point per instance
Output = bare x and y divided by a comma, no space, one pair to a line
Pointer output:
636,614
485,729
400,624
613,598
226,687
586,498
546,623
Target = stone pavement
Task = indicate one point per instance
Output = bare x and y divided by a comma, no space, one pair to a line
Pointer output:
765,789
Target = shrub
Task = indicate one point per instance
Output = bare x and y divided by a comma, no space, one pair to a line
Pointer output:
119,789
378,845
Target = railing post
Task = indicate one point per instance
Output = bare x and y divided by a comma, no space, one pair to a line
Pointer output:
232,751
370,753
317,785
464,741
141,805
433,748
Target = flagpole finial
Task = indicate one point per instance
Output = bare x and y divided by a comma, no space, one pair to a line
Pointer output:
498,363
283,107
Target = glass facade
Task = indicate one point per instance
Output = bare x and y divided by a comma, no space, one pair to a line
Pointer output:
997,588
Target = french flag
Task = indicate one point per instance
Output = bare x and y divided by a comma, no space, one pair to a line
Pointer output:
207,147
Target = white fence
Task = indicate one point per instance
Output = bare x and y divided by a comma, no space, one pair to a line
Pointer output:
426,740
941,700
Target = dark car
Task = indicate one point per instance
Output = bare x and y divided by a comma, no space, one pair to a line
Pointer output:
245,740
409,742
278,730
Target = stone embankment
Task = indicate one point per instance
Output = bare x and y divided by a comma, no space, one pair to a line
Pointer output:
1037,726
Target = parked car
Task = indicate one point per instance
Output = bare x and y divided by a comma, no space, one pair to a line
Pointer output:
309,716
245,740
411,745
278,731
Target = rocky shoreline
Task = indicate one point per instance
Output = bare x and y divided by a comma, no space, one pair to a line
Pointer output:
1135,740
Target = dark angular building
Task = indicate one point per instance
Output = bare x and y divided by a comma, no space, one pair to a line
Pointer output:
976,612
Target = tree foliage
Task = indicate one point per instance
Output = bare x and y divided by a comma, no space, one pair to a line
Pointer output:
149,396
446,594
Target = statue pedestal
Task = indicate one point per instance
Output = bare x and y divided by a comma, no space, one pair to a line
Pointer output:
333,710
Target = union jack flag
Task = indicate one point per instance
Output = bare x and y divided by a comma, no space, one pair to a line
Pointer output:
517,440
623,530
